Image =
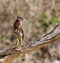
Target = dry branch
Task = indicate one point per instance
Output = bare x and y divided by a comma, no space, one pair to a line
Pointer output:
13,53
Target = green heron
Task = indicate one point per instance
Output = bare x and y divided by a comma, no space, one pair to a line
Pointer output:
18,31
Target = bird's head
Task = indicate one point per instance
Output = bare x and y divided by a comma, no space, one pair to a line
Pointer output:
18,22
20,19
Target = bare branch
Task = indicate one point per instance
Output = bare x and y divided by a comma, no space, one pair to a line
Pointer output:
15,52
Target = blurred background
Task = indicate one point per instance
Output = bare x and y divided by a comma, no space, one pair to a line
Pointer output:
42,16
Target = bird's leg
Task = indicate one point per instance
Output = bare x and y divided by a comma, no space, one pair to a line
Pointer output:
21,39
18,38
18,42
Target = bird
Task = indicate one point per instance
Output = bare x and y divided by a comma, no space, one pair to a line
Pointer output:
18,31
